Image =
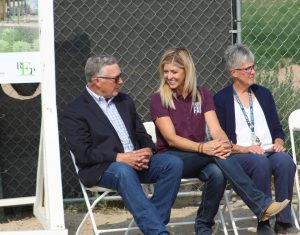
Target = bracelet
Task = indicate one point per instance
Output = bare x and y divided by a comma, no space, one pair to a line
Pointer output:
201,149
199,145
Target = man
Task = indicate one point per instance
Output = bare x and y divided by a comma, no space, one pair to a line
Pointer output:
113,150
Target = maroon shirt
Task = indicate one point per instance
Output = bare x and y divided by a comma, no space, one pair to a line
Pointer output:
188,121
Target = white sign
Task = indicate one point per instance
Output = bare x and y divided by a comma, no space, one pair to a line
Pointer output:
20,67
19,42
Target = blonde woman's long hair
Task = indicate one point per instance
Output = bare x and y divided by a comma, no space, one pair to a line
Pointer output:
181,58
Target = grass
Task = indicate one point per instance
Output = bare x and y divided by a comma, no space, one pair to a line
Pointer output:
287,99
271,29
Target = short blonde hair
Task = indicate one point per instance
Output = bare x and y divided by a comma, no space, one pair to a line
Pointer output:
181,58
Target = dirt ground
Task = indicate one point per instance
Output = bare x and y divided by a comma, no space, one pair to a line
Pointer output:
116,217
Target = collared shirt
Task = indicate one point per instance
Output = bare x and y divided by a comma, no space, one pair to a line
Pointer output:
111,112
188,119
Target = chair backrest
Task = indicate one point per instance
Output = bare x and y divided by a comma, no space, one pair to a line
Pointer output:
294,120
92,189
150,128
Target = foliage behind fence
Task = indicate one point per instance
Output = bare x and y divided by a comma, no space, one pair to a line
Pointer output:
271,28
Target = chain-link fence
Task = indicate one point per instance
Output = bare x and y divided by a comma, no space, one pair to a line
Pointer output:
137,32
20,120
271,29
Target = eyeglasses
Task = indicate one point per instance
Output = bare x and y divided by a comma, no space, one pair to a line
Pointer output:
248,69
115,79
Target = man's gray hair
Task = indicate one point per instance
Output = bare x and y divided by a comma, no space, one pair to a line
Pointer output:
95,64
237,54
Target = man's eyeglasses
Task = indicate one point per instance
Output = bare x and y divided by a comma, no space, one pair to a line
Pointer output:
248,69
115,79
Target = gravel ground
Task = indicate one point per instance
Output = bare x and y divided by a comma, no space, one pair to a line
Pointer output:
115,218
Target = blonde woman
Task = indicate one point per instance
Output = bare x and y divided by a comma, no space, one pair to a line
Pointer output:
181,111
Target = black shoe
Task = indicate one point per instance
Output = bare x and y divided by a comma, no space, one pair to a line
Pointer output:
286,228
264,228
203,229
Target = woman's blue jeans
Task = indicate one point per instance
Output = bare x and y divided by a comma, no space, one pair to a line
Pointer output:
213,171
202,167
151,215
260,168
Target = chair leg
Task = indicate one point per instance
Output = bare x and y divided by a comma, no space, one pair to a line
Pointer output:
223,222
295,217
90,212
298,194
298,209
227,195
129,226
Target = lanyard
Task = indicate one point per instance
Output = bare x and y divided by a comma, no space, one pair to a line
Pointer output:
254,139
251,122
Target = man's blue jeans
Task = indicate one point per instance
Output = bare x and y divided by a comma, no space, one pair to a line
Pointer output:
260,168
150,215
212,171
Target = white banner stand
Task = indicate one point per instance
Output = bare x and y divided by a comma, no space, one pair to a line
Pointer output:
48,201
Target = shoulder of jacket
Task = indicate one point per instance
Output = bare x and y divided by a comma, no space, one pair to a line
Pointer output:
221,93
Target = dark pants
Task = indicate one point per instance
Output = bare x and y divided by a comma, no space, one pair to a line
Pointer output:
213,172
260,168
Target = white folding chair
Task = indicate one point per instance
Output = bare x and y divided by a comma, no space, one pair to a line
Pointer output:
234,217
294,125
150,128
105,195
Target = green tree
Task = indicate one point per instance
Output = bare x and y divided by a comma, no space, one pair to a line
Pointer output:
4,46
20,46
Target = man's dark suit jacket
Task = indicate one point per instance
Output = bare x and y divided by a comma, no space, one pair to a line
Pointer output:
93,139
